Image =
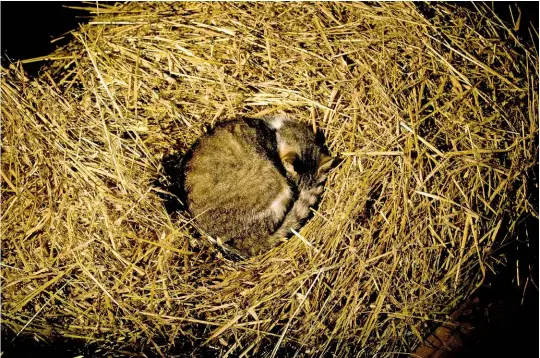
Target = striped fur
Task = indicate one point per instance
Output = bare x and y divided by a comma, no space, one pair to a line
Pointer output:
250,181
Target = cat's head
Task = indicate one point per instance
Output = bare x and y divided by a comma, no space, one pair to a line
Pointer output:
302,151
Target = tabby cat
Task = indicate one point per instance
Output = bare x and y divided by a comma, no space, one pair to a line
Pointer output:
248,182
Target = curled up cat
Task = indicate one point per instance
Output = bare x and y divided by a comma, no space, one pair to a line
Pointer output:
249,181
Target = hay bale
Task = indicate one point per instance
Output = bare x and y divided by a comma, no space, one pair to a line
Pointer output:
434,111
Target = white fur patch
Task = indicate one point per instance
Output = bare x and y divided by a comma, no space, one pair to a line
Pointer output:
302,211
318,190
308,197
276,122
279,205
283,148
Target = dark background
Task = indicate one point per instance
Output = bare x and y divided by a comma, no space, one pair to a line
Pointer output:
28,27
507,316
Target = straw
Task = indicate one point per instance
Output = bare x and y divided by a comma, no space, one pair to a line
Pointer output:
432,108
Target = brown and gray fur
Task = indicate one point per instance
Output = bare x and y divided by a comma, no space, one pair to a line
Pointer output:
249,182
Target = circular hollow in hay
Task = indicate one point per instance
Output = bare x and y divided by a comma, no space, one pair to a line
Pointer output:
433,110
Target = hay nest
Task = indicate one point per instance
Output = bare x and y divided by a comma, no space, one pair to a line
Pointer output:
433,109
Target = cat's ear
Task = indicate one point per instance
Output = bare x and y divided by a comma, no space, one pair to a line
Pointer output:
288,158
326,164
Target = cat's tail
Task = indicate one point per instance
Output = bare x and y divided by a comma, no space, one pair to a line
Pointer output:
299,212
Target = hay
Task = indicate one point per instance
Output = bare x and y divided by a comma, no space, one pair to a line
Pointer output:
433,109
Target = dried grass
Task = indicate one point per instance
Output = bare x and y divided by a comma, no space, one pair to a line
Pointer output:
434,111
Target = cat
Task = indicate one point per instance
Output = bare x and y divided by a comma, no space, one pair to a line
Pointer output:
249,181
